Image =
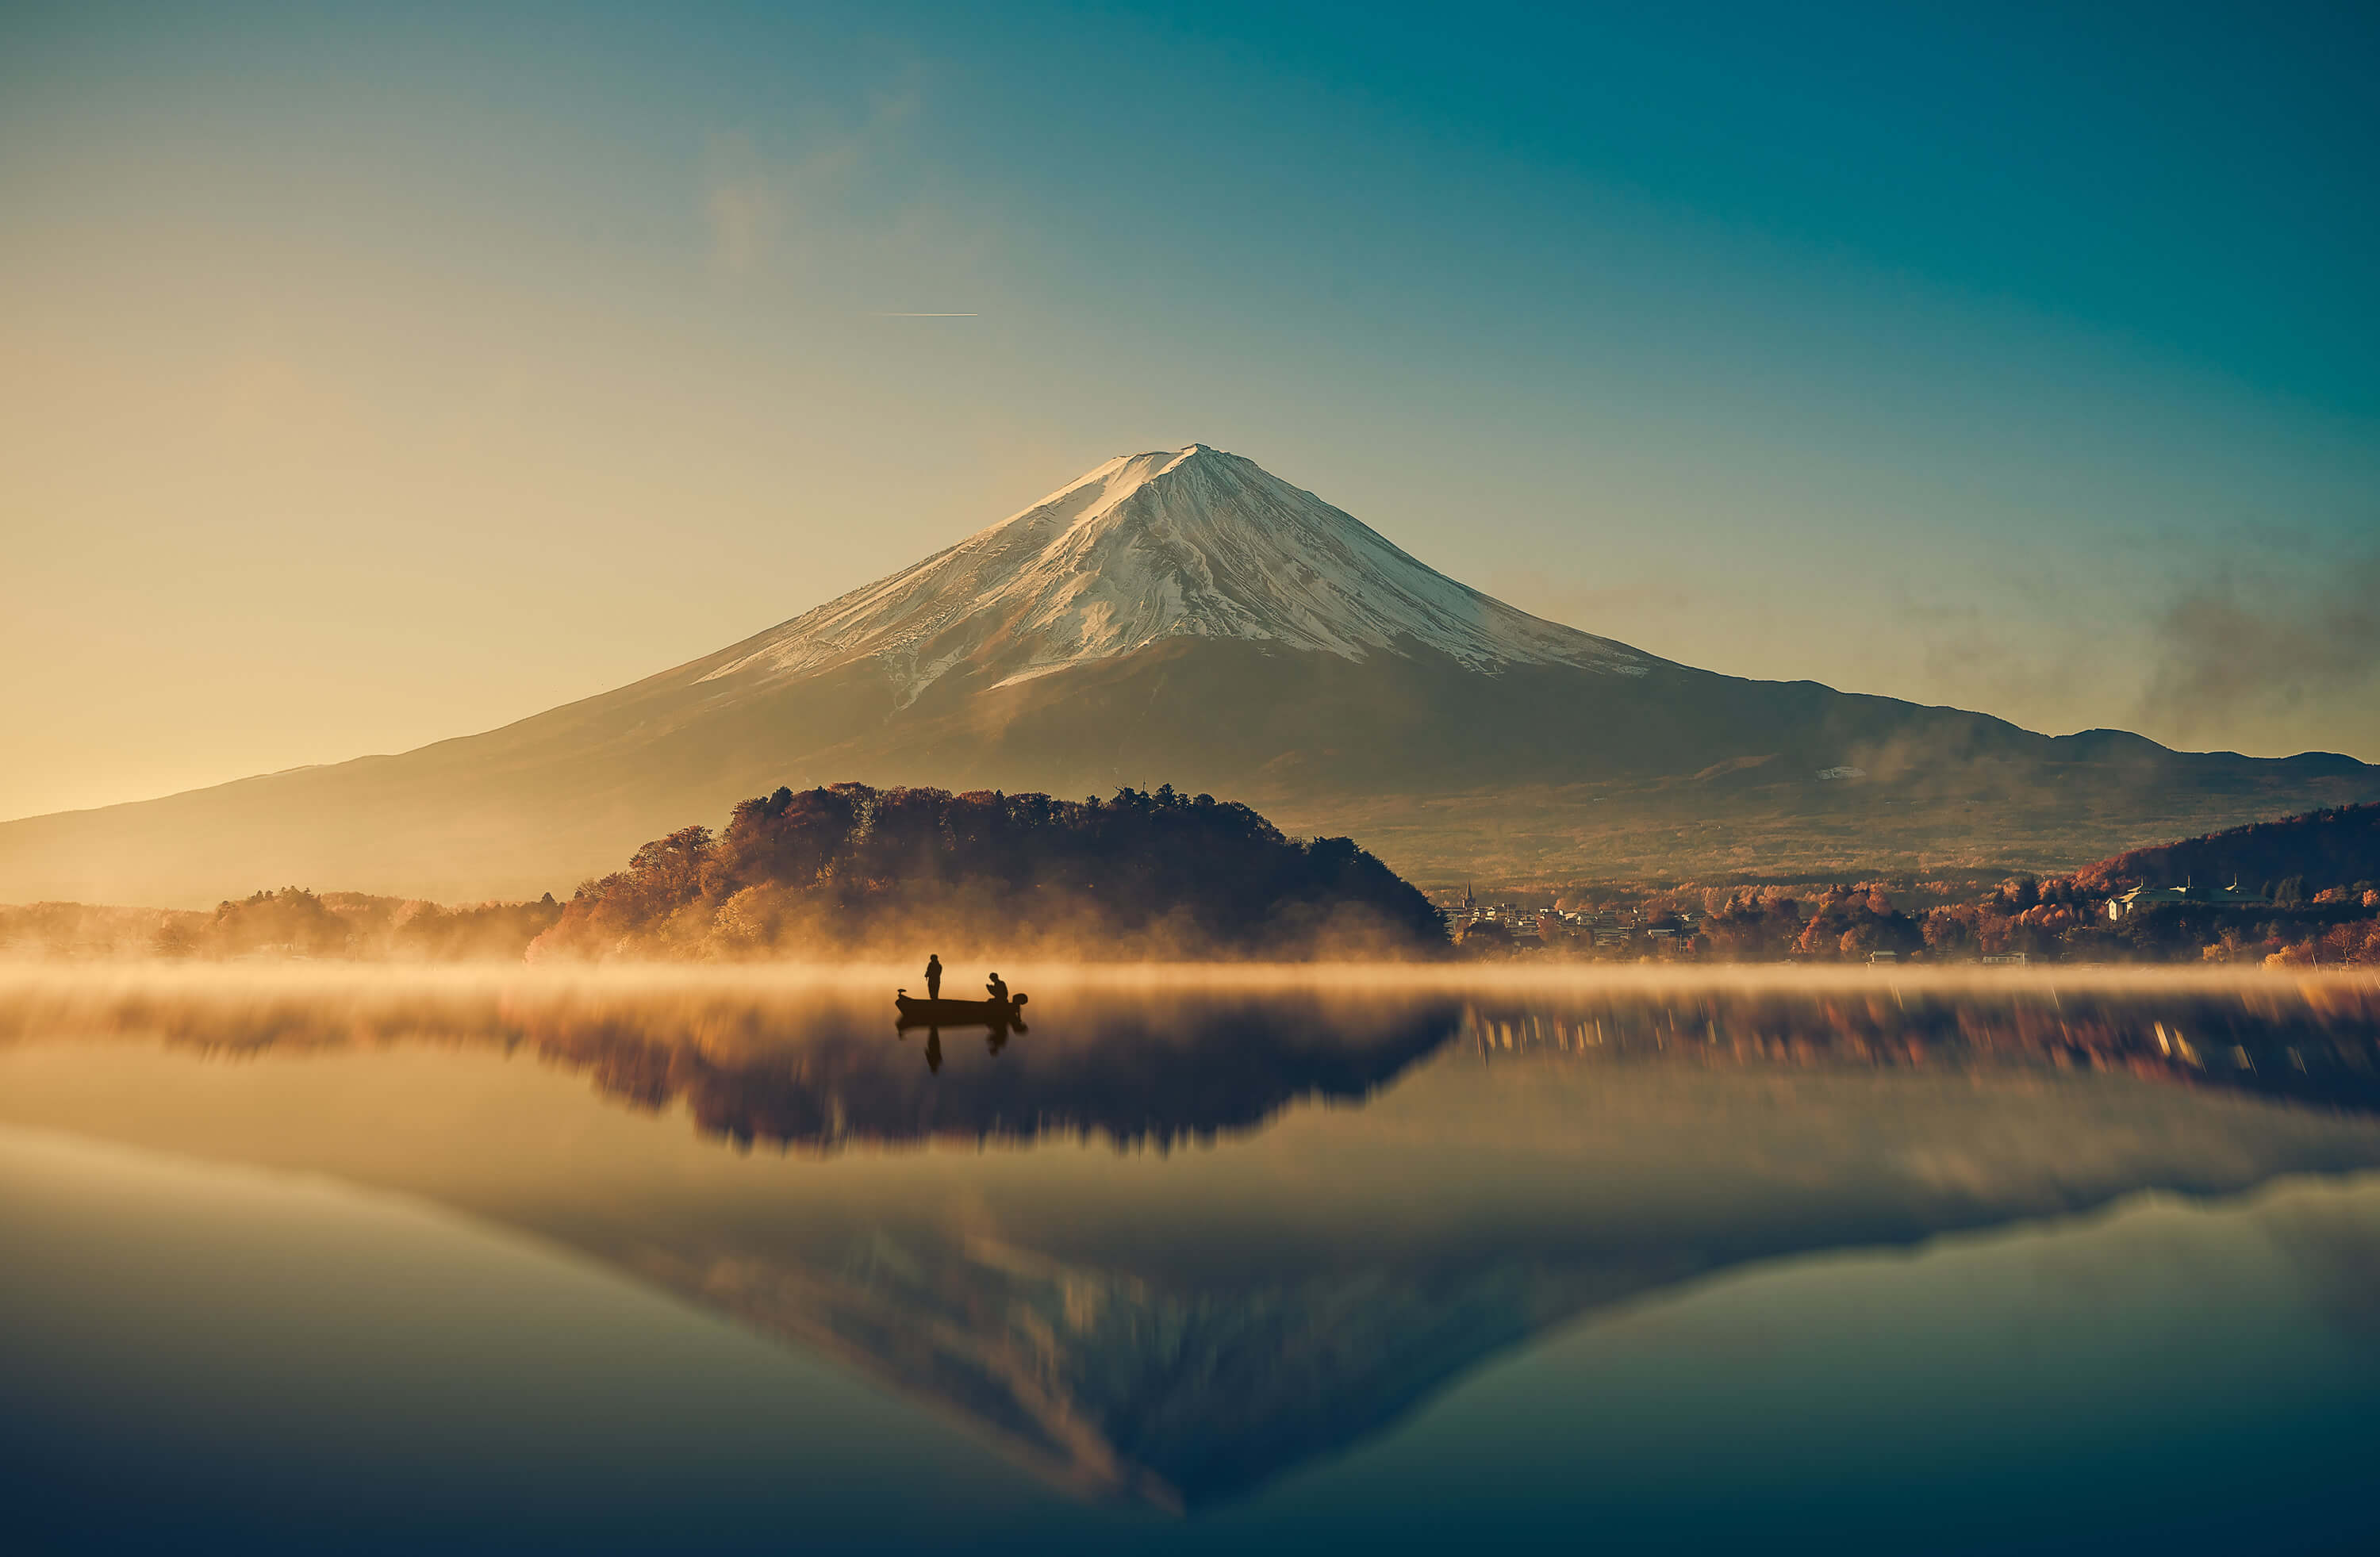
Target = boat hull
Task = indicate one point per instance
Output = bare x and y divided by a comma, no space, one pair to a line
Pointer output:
960,1013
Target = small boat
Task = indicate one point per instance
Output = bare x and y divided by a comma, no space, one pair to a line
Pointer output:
959,1013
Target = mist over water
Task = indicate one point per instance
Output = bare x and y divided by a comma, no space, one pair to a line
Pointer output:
1190,1256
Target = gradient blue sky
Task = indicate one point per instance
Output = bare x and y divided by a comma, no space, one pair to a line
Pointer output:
374,375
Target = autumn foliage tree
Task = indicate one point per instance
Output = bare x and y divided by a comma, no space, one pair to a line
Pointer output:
291,920
1751,923
1857,920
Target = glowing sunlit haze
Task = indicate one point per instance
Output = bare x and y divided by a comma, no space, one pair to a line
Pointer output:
364,382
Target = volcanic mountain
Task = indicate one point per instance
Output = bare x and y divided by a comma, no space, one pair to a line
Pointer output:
1186,617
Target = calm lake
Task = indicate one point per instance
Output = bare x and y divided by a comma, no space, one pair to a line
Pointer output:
306,1259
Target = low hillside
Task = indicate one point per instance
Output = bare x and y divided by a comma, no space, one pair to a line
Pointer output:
2293,857
291,922
849,869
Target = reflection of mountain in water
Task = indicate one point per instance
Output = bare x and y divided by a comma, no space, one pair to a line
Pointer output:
1185,1375
1182,1331
1113,1382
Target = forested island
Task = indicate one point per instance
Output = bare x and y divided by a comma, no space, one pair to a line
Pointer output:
848,869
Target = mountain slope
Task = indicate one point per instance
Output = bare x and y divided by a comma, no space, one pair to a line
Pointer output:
1187,617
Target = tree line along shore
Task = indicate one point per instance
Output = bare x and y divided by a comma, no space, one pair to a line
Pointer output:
849,869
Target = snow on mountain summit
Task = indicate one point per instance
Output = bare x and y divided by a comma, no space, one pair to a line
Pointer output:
1192,542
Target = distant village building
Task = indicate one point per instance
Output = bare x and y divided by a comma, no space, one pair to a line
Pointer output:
2125,905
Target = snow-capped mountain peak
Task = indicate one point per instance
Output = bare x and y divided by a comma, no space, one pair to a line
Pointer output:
1188,542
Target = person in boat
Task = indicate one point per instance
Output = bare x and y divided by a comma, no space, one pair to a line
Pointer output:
997,989
933,975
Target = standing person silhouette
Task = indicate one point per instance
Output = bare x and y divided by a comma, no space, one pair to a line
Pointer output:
933,975
998,989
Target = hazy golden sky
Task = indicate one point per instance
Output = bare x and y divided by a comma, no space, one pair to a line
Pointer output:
368,378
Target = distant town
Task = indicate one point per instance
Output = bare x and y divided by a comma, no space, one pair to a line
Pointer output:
2298,892
1513,926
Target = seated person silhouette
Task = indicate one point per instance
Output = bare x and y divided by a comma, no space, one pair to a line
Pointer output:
998,987
933,975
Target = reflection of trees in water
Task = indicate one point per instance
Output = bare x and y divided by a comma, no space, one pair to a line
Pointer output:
815,1068
820,1068
1150,1071
2314,1043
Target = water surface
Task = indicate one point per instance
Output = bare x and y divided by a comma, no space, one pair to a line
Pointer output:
631,1263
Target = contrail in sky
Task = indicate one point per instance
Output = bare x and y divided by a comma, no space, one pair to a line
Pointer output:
880,314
